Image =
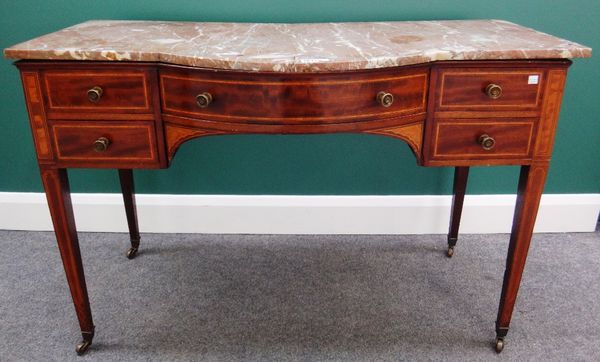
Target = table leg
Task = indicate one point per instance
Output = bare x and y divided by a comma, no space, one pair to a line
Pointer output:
128,191
531,185
58,194
461,175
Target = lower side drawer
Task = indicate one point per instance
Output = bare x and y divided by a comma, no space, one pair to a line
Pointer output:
481,139
104,144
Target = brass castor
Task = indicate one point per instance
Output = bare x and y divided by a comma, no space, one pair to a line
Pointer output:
450,251
82,347
132,252
499,344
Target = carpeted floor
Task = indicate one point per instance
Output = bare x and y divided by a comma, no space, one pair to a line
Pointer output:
300,298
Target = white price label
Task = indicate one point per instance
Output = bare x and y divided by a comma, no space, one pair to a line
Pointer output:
533,79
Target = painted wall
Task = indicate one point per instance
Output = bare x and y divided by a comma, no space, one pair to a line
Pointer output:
318,164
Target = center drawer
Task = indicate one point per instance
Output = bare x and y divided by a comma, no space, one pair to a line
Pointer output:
279,98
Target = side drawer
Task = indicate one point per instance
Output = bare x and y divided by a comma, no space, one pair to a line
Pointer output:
97,91
482,139
104,144
489,89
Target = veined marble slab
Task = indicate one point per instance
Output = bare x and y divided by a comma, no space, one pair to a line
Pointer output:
296,47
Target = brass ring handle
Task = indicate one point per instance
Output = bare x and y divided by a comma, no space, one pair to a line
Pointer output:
203,99
385,99
101,144
94,94
494,91
487,142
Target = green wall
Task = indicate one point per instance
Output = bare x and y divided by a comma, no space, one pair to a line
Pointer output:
319,164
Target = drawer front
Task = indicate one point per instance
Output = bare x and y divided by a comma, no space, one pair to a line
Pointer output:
489,89
97,91
293,98
480,139
117,143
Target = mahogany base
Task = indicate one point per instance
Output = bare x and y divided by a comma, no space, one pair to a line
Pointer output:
441,110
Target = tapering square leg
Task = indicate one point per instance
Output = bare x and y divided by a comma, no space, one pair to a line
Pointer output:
531,185
58,194
128,191
461,175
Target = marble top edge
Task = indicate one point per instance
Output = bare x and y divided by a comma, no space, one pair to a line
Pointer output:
296,47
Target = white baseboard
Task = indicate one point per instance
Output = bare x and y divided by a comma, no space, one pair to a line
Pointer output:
300,214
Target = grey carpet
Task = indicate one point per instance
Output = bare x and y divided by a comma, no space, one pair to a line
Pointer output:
300,298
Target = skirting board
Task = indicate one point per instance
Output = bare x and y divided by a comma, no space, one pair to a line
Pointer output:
234,214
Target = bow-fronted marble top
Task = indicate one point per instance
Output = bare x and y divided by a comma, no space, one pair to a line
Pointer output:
308,47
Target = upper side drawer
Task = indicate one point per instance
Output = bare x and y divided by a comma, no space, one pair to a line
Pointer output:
279,98
489,89
97,91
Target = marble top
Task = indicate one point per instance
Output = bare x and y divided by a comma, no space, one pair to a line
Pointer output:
305,47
